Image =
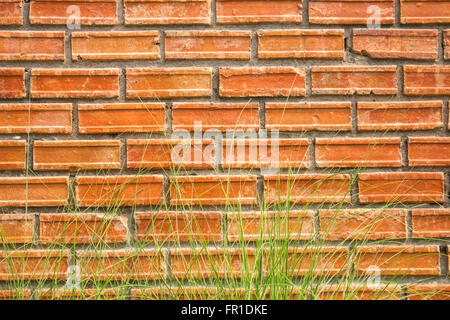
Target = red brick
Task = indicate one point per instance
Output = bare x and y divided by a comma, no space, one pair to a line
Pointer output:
74,155
307,188
115,45
16,228
358,292
216,116
432,291
169,82
12,83
167,12
92,12
190,293
272,225
262,82
74,83
187,226
319,44
34,191
428,151
300,116
99,293
208,45
213,190
121,118
19,294
257,11
19,265
31,45
350,80
261,153
362,224
426,80
170,154
351,11
431,223
212,263
401,187
113,191
424,11
13,154
400,115
358,152
82,228
11,12
396,43
110,265
398,260
446,39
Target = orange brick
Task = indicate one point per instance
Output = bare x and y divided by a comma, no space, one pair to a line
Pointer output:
31,45
110,265
81,228
446,39
34,191
257,11
41,265
300,116
170,154
208,45
272,225
426,80
112,191
401,187
358,292
20,294
16,228
187,226
213,190
74,83
12,83
397,260
76,154
396,43
428,151
262,82
424,11
91,12
115,45
216,116
319,44
100,293
351,11
13,154
11,12
431,223
400,115
432,291
167,12
169,82
358,152
260,153
190,293
350,80
121,118
362,224
307,188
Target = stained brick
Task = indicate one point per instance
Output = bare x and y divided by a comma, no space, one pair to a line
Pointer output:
12,83
358,292
424,11
432,291
13,154
16,228
446,39
19,294
31,45
188,293
428,151
81,294
11,12
426,80
431,223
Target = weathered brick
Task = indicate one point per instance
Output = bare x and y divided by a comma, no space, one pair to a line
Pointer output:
399,115
13,154
358,152
99,293
76,154
262,82
12,83
115,45
11,12
428,151
426,80
82,228
446,39
74,83
307,188
188,293
167,12
169,82
432,291
19,294
121,118
424,11
396,43
34,191
319,44
357,292
31,45
16,228
300,116
401,187
431,223
113,191
350,80
213,190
